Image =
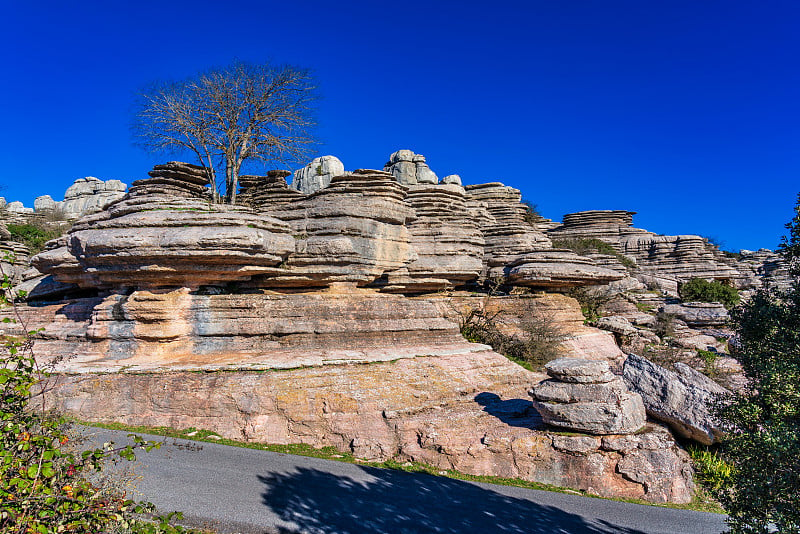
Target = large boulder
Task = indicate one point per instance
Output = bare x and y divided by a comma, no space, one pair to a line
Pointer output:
681,398
317,174
584,395
698,313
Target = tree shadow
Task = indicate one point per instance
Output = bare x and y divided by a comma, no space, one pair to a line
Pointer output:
513,412
385,501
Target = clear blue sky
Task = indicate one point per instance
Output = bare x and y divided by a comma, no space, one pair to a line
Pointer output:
684,111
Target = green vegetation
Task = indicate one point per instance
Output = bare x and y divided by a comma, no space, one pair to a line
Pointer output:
34,236
330,453
532,214
701,290
591,300
585,246
711,470
46,482
762,424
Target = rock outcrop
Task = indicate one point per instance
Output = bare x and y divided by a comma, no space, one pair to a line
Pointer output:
681,398
583,395
165,232
518,253
698,314
662,260
317,174
410,169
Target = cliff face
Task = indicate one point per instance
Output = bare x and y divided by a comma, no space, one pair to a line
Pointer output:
327,312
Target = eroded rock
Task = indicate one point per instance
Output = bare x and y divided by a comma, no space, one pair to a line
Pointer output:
584,395
681,398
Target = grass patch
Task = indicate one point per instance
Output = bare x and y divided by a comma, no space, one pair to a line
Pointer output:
699,504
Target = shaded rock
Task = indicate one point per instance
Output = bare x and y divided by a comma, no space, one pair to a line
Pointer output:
681,398
584,395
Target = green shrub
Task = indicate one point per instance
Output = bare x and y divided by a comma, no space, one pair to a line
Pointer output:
711,470
585,246
701,290
33,236
532,214
762,422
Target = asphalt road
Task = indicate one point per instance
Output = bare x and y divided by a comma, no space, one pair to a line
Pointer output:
231,489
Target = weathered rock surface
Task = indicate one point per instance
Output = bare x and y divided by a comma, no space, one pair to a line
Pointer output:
461,412
518,253
671,258
680,398
317,174
448,243
409,168
584,395
165,232
698,313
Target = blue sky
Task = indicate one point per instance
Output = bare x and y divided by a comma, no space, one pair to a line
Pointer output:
684,111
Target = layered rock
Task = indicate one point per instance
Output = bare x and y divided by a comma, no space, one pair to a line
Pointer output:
447,242
681,398
461,412
583,395
662,260
519,254
698,314
13,256
317,174
410,169
165,232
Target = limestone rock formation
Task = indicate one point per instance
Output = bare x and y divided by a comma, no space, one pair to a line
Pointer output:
698,313
584,395
409,168
165,232
447,242
517,252
89,195
660,259
317,174
681,398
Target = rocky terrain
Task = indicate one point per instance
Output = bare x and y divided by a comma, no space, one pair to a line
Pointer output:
330,311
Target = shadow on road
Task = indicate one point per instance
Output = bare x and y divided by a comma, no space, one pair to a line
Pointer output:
398,502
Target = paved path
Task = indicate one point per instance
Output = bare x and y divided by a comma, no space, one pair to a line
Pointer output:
232,489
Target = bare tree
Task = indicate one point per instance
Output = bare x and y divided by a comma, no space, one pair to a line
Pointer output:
228,116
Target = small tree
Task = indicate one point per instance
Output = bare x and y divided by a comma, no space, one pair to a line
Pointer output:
229,116
762,423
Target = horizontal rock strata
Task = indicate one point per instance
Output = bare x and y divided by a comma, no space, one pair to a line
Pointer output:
584,395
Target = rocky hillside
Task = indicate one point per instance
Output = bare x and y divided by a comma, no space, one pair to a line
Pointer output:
330,311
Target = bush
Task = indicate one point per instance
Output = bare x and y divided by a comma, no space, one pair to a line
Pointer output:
45,482
711,470
701,290
532,215
537,346
33,236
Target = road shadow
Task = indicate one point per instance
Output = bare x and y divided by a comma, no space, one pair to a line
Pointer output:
513,412
388,501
